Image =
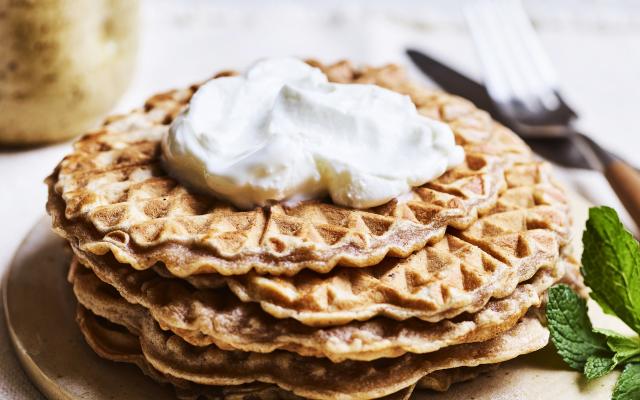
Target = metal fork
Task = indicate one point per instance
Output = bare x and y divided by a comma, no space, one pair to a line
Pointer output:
524,87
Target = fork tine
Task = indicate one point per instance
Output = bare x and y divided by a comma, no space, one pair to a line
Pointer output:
520,59
538,55
516,63
536,58
502,80
504,36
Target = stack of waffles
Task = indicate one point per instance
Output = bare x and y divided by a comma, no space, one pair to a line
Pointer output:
312,300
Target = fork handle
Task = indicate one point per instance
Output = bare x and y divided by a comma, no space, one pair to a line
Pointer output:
625,181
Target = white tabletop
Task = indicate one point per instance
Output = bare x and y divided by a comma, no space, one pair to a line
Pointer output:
594,45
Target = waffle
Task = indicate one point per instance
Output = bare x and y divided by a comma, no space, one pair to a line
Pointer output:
115,343
216,317
317,377
311,300
111,194
520,234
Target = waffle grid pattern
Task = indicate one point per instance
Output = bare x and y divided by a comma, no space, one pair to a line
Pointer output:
115,185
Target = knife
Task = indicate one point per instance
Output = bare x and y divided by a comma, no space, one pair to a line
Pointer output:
560,150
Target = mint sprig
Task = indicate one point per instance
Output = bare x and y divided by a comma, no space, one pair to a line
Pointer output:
571,328
611,265
611,268
628,385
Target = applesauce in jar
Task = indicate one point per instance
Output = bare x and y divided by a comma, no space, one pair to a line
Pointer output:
63,65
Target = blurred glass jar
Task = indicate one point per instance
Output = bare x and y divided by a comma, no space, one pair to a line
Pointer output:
63,65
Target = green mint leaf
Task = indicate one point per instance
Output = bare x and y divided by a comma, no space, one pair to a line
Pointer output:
628,385
607,332
611,265
571,329
597,366
627,349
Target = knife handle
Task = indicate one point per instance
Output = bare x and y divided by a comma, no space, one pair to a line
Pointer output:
625,181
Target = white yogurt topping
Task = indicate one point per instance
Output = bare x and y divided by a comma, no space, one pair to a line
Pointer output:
282,132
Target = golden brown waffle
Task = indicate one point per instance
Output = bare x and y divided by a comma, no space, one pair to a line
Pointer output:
439,281
115,343
110,341
318,377
112,195
204,317
519,235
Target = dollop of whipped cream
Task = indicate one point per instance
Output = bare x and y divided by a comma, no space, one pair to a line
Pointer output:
283,133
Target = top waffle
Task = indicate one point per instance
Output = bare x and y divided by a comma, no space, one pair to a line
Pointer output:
113,195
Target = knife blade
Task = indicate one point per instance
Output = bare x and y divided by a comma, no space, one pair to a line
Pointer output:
561,150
